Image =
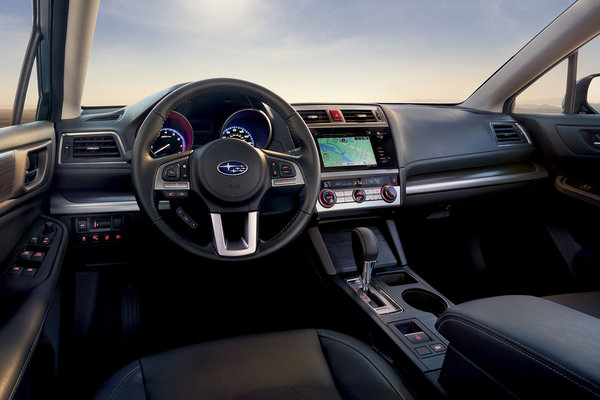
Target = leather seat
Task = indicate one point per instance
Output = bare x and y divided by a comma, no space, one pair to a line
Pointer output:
586,302
303,364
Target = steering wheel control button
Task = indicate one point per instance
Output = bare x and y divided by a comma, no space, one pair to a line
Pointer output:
274,169
84,239
171,172
417,337
186,218
287,170
175,194
388,193
327,198
359,195
185,171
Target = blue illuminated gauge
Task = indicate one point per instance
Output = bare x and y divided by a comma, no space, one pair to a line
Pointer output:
169,141
238,132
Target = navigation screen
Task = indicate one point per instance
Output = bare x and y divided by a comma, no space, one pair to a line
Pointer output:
346,151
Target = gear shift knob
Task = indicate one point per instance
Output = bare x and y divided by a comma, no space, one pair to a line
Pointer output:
365,251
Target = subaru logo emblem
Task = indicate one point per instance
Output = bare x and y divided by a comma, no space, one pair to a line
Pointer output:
232,168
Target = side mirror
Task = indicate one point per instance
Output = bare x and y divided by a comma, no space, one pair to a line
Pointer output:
587,95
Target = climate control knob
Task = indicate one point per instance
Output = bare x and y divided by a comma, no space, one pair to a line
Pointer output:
388,193
327,198
359,195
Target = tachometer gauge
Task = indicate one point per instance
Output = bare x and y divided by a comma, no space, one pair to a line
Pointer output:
170,141
175,136
238,132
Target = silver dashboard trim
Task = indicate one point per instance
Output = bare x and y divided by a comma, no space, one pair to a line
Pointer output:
458,184
59,205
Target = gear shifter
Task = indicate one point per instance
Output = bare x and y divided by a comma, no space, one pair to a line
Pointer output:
365,250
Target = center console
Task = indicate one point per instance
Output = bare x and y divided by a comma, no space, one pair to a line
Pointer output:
359,169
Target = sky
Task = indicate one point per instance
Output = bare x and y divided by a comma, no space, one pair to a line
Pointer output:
304,50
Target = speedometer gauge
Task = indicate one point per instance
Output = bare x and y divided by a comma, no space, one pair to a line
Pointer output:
238,132
250,125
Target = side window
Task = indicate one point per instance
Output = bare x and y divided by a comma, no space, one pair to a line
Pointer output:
544,96
15,28
547,94
588,64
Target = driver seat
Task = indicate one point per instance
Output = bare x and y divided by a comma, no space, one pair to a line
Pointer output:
302,364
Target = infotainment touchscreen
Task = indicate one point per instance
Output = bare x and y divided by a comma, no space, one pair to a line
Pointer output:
346,151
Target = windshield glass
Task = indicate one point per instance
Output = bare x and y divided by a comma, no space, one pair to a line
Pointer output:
310,51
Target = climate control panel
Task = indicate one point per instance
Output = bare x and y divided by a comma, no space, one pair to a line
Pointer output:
358,192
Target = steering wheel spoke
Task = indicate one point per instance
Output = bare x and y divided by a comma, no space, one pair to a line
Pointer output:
234,247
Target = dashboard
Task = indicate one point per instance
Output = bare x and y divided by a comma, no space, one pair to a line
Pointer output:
373,157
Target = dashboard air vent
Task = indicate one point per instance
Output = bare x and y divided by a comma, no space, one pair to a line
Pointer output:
315,116
359,116
508,133
100,146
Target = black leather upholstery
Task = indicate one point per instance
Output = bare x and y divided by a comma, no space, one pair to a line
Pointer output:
533,347
305,364
586,302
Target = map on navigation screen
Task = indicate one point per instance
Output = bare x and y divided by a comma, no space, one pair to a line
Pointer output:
346,151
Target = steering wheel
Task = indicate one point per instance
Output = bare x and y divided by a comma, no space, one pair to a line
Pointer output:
229,175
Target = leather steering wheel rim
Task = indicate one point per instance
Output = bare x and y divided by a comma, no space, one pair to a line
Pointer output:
305,155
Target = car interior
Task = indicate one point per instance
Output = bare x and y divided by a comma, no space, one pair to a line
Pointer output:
214,241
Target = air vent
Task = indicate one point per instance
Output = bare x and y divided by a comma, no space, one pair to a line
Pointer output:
101,146
315,116
509,133
359,116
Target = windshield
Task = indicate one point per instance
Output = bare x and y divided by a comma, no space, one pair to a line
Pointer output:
310,51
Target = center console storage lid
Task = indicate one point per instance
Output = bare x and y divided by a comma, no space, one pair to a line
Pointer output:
531,346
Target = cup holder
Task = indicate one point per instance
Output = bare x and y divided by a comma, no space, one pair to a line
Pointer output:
425,300
397,278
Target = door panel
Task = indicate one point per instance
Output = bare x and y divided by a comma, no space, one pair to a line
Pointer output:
31,249
27,154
